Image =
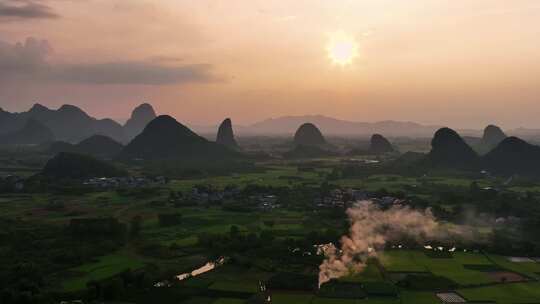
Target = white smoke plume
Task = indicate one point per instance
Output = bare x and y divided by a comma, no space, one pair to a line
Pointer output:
371,228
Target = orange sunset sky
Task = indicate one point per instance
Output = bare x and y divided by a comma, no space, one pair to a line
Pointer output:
458,63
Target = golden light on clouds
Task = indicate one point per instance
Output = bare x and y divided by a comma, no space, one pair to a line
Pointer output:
279,57
342,48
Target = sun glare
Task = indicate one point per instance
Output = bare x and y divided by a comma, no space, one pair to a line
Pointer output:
342,48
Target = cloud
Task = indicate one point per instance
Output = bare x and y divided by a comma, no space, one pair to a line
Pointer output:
23,57
134,73
28,61
25,9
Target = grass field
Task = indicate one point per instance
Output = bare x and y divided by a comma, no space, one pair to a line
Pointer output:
451,268
229,301
233,278
239,285
413,297
106,267
376,182
403,261
217,220
507,293
317,300
276,176
291,298
392,182
529,269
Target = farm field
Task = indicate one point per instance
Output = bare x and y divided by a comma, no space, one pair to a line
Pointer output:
509,293
275,176
246,281
283,236
104,268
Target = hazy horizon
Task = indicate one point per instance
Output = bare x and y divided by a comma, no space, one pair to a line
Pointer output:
458,64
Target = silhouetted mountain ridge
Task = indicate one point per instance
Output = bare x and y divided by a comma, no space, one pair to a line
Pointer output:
493,135
33,132
448,149
309,135
225,135
513,156
166,138
380,145
97,145
67,123
73,165
140,117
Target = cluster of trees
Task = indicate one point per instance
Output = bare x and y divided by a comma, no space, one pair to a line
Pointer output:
193,168
138,193
169,219
293,281
117,287
244,248
22,283
97,227
234,242
29,254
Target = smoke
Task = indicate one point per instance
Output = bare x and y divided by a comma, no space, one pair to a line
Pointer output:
372,228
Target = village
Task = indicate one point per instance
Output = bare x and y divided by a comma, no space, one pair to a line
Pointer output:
125,182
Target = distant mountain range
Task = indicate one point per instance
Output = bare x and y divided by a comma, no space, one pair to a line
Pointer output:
68,123
287,125
71,124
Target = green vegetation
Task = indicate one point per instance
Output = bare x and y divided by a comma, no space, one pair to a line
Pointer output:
528,269
107,267
419,297
508,293
116,244
291,298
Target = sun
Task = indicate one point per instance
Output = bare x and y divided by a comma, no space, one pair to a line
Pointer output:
342,48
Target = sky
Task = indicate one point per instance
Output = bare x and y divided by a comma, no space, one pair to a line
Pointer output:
463,64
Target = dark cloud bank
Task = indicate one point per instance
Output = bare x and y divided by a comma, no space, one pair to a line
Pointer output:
27,62
25,9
